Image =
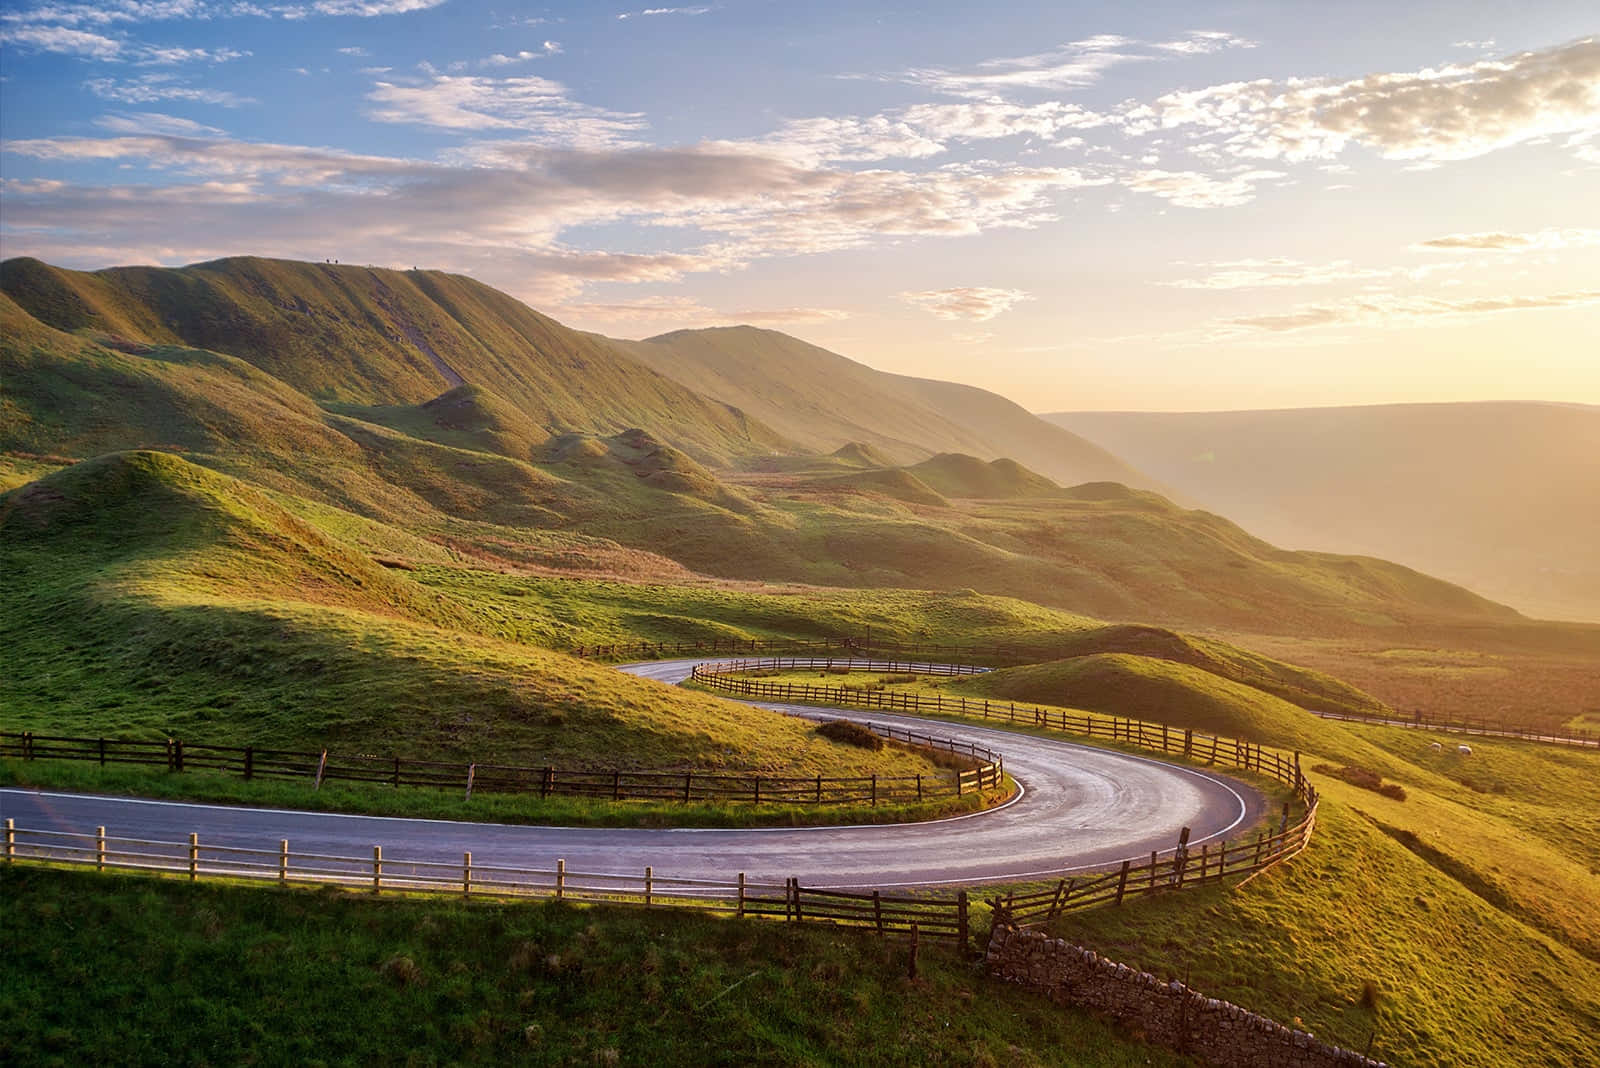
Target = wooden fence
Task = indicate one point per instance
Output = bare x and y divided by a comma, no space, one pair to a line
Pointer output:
1483,727
812,647
934,917
1181,867
986,770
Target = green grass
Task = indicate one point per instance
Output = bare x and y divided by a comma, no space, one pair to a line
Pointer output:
433,803
150,597
1459,982
131,969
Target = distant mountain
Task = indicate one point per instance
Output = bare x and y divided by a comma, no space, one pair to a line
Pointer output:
1501,497
824,401
379,338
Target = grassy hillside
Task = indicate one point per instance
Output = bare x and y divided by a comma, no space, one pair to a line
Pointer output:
1501,497
146,596
824,401
366,336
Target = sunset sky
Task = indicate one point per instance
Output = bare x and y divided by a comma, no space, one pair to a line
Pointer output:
1089,205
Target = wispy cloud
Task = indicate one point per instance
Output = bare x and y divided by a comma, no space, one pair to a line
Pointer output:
1279,273
624,16
1383,310
152,88
1499,241
502,59
1192,189
535,106
1068,66
972,303
150,122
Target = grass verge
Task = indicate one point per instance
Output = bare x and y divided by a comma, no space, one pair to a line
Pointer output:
132,969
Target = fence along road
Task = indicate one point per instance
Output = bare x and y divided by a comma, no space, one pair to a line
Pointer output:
1081,808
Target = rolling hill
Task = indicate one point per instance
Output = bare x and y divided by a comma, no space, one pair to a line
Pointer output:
824,401
1501,497
371,337
328,409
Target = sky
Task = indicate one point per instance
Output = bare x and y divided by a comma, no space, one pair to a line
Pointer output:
1162,206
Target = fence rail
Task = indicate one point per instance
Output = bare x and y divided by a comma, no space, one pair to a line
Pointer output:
1481,727
932,917
1182,866
986,771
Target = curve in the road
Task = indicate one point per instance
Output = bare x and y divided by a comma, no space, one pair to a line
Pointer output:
1081,808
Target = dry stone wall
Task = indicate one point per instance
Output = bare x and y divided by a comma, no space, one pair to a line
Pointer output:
1168,1013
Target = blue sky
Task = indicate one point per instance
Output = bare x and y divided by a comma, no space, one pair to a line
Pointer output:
1156,206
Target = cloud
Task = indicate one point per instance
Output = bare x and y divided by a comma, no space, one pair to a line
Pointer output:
150,122
1191,189
1394,310
151,88
63,40
372,8
1432,115
922,131
1275,273
1542,240
1204,42
354,50
688,312
1069,66
532,105
972,303
501,208
663,11
501,59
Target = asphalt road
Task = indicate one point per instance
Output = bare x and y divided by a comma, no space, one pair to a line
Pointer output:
1080,808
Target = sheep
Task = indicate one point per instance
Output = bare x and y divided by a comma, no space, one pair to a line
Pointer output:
1464,750
1436,747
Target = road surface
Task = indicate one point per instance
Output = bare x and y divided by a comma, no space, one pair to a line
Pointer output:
1080,808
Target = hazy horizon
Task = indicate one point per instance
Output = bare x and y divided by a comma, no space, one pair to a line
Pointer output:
1175,208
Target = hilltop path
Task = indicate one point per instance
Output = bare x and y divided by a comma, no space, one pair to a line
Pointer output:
1080,808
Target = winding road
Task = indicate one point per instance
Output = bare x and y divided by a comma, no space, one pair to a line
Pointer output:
1080,808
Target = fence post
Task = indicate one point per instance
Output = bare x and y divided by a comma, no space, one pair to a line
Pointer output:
102,752
249,761
877,911
1283,822
758,789
322,766
466,874
11,840
649,884
177,748
819,789
472,773
283,861
1180,858
961,918
169,754
377,868
874,790
99,849
1122,880
1188,741
687,779
741,891
561,879
919,787
194,856
1152,871
546,781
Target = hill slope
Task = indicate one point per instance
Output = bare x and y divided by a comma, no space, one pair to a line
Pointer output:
823,401
1501,497
365,336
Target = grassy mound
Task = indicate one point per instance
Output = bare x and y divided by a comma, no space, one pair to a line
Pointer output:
861,454
1312,690
466,417
957,475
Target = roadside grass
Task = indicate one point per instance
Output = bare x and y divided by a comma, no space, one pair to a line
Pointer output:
431,803
1458,982
133,969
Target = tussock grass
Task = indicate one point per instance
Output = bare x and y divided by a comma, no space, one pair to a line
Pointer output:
133,969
